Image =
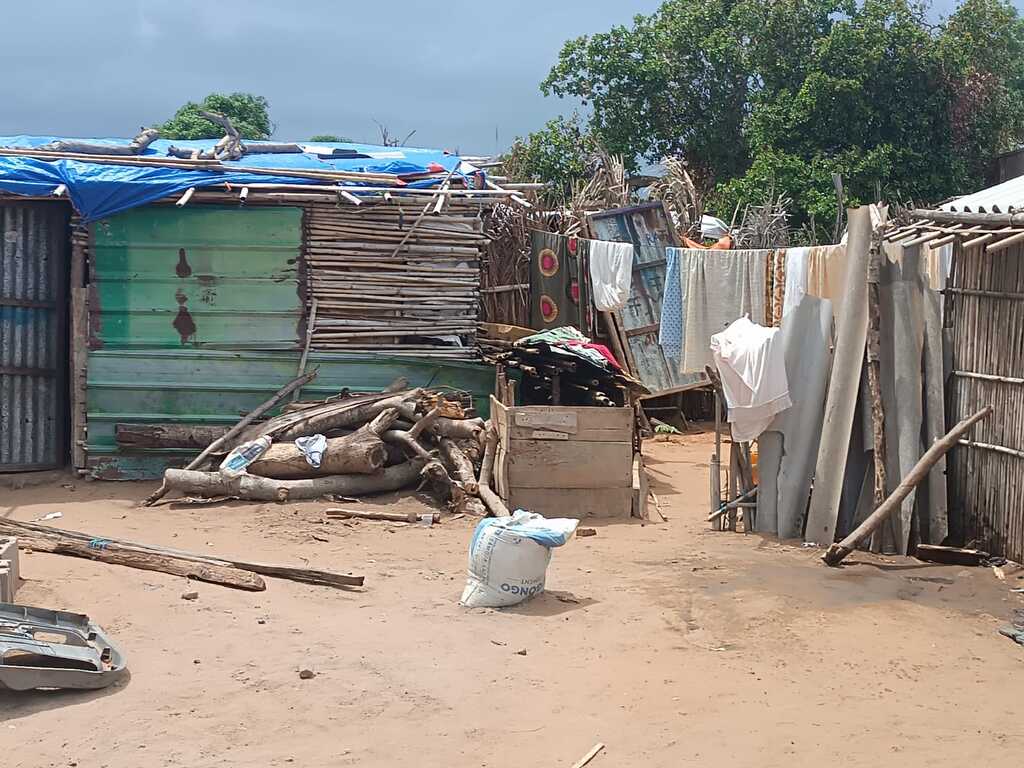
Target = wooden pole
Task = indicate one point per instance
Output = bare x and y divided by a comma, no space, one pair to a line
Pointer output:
281,394
874,374
837,552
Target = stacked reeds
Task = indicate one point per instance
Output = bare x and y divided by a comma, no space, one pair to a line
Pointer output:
388,279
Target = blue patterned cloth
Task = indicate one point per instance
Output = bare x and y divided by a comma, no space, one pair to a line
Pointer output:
671,334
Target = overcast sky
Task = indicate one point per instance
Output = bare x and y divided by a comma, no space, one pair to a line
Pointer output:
456,71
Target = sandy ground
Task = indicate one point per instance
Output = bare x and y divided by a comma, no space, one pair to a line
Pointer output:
672,644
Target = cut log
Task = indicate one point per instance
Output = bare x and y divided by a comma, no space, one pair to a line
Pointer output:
395,517
236,430
207,484
108,552
181,436
837,552
361,453
932,553
459,429
459,464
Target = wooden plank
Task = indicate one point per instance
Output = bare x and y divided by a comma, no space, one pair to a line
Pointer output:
540,417
580,503
570,464
593,424
640,488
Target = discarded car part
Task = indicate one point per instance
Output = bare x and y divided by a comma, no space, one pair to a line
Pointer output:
41,648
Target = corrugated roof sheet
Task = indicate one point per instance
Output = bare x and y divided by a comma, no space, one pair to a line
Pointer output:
1002,198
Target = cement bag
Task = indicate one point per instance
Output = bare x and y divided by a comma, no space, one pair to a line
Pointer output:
508,558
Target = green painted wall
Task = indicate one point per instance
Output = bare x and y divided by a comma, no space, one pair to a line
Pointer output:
197,277
233,273
215,387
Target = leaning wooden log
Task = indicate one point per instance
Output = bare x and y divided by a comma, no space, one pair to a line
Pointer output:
209,484
395,517
289,572
181,436
331,416
107,552
494,503
837,552
297,383
360,453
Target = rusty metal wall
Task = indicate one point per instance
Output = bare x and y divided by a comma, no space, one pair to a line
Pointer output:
34,243
985,314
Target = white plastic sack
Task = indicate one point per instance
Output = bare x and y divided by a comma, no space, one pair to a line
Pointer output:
509,556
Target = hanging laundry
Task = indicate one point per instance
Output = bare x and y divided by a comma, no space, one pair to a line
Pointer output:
717,287
796,278
559,282
776,278
826,274
751,362
670,329
611,273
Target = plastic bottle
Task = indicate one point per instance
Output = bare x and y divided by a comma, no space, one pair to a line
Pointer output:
234,463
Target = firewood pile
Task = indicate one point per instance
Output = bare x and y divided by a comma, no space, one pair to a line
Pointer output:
373,443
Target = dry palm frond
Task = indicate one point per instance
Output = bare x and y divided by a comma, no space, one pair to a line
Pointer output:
764,226
683,200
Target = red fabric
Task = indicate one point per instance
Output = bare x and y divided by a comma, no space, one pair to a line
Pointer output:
601,349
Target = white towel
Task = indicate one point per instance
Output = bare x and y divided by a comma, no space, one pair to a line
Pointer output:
611,273
752,363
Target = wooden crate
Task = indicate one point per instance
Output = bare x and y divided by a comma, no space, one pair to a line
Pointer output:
565,461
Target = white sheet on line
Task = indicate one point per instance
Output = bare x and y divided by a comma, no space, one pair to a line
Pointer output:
751,361
611,273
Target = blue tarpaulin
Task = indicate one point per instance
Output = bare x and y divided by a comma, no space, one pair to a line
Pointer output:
101,190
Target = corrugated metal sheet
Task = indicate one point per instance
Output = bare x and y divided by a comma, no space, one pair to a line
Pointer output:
204,276
215,387
33,347
1002,198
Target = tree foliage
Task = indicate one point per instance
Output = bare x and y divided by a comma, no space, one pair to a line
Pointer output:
248,113
561,154
775,97
329,137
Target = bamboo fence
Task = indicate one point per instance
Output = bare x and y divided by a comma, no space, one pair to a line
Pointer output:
389,279
986,472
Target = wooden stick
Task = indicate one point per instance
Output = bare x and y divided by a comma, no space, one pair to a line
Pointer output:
310,326
837,552
107,552
594,750
291,573
197,462
423,213
397,517
872,351
487,495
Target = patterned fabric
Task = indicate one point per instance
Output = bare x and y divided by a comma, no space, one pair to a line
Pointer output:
778,260
559,282
670,334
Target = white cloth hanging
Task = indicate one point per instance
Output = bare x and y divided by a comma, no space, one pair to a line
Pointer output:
751,362
611,273
796,278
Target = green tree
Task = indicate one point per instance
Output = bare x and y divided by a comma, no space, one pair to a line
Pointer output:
248,113
330,137
561,153
775,97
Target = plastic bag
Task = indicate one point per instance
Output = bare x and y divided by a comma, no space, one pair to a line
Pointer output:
234,463
312,448
509,556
